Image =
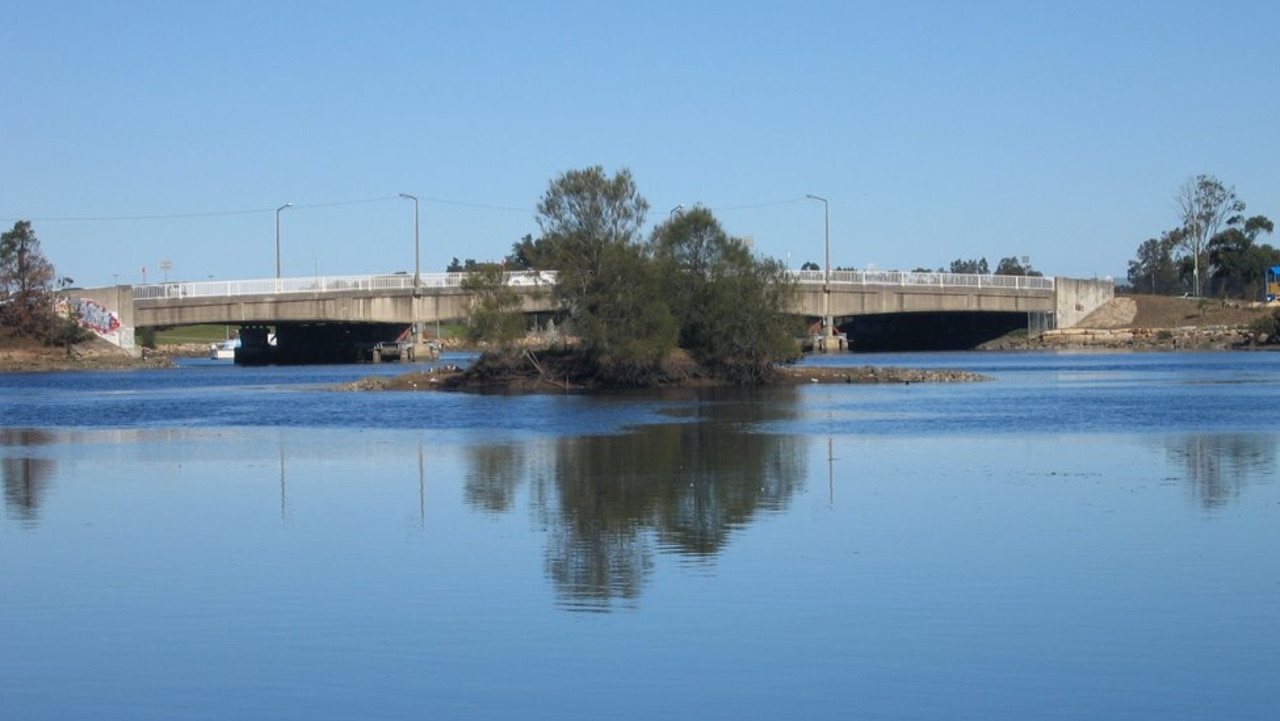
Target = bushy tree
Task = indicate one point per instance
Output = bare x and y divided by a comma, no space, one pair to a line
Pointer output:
632,304
1237,263
1266,329
27,284
730,306
625,324
1155,270
590,231
495,307
531,254
1014,266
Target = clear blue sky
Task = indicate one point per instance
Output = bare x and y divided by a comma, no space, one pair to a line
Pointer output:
136,132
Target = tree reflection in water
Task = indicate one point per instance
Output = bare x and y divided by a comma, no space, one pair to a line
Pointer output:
1219,466
26,478
495,473
609,503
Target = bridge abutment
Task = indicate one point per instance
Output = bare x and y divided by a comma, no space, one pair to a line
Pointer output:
1075,298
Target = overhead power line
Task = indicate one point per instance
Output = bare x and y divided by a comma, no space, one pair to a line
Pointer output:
250,211
332,204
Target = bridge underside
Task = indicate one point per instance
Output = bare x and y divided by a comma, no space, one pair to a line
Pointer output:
935,331
296,343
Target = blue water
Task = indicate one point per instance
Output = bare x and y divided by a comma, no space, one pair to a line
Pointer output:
1082,392
1084,536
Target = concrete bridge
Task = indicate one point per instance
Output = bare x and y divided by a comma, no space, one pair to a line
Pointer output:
309,315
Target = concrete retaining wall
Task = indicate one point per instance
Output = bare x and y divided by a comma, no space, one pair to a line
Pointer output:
1078,298
108,312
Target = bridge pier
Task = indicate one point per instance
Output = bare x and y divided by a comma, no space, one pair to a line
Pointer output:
257,346
831,340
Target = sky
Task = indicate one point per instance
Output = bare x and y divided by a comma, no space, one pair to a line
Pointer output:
164,135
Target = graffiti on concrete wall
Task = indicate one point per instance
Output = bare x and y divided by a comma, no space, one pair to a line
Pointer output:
92,314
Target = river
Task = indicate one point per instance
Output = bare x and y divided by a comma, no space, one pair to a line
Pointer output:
1088,535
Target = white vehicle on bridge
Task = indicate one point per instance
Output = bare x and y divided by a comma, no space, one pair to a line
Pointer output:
531,277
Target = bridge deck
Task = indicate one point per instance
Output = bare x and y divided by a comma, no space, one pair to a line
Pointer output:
437,281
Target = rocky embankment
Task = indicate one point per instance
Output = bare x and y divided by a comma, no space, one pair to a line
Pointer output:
1185,338
1152,323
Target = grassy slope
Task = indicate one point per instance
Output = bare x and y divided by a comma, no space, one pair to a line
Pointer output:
1171,312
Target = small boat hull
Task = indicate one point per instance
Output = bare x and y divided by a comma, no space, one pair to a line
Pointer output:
225,350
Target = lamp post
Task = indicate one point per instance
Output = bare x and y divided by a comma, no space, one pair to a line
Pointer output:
417,246
828,326
675,210
286,205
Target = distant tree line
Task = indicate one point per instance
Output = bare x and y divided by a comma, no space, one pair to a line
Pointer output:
1214,251
1011,265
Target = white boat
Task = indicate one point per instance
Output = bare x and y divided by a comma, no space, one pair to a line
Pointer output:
226,350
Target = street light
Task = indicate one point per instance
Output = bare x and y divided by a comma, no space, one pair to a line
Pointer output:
675,210
826,271
286,205
417,246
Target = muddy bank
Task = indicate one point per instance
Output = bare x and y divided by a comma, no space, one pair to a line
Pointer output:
24,357
455,380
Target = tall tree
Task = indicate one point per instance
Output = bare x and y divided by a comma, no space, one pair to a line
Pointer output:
1206,205
590,227
27,281
584,212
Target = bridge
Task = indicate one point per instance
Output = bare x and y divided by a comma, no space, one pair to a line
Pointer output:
311,318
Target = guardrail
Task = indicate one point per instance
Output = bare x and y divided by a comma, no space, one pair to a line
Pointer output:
404,281
932,279
332,284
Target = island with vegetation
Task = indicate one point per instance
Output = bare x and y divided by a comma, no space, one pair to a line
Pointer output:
687,306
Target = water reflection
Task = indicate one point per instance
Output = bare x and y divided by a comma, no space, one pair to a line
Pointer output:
682,488
608,503
494,473
1220,466
26,478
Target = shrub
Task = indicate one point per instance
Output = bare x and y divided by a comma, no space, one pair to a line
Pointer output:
1266,330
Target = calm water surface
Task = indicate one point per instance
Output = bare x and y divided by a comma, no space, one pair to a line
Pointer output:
1086,536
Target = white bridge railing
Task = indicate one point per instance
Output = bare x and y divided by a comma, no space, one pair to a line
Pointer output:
333,284
926,278
404,281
